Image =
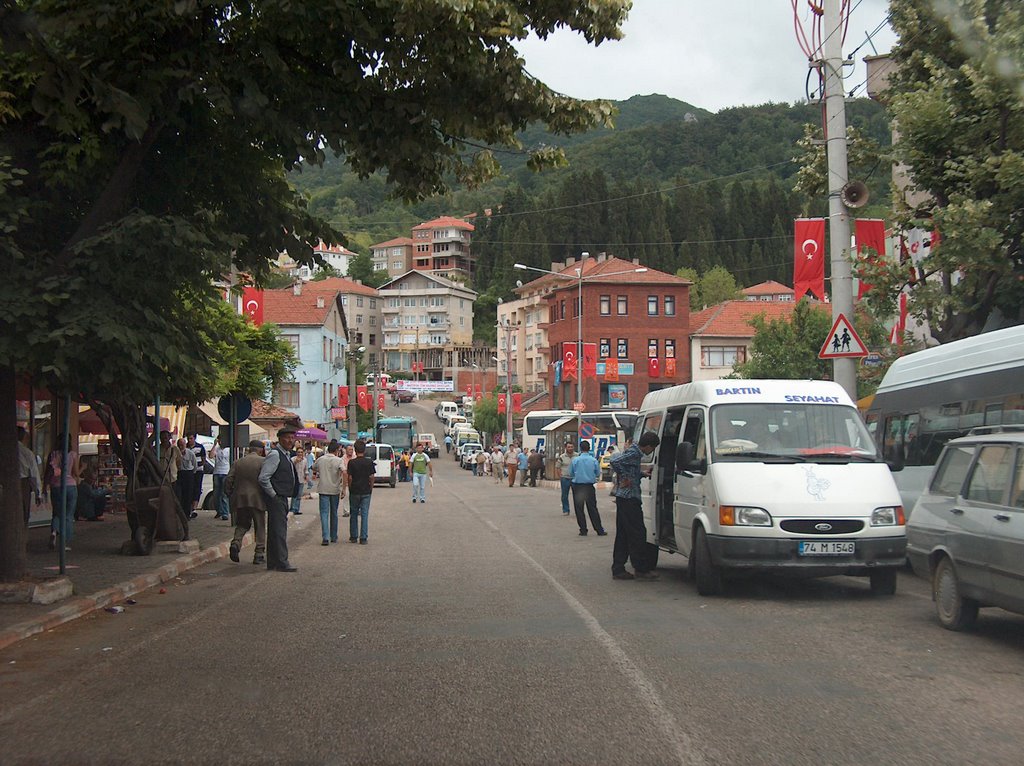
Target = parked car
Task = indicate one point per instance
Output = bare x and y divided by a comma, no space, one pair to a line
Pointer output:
966,534
404,396
429,443
467,452
384,461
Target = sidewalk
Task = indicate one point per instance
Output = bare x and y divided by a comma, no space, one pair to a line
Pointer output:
99,573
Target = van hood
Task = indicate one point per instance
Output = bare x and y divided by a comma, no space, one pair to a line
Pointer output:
806,489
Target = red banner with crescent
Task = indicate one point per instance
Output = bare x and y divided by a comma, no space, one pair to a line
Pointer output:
343,396
469,389
363,398
870,237
517,402
611,369
670,368
380,402
590,360
653,368
252,305
568,361
502,401
809,257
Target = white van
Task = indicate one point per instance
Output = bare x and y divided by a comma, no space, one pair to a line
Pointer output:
445,410
756,475
384,462
452,422
464,434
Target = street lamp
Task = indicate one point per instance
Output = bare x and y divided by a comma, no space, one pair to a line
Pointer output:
580,279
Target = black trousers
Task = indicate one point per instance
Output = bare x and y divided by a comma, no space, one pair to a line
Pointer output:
277,532
585,495
630,536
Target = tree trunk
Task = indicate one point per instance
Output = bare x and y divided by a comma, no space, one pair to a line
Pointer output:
13,558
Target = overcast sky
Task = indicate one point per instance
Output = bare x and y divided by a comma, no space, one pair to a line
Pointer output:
709,53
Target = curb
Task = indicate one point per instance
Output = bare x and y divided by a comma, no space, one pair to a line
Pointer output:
79,607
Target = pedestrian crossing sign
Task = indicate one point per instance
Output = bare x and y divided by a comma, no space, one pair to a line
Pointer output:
842,341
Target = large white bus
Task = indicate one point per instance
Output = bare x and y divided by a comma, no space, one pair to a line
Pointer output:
931,396
608,426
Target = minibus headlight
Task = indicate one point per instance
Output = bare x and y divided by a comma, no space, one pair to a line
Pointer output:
889,516
743,516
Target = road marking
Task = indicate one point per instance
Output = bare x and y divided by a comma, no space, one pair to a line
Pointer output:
681,743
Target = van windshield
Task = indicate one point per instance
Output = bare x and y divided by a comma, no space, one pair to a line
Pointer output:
789,433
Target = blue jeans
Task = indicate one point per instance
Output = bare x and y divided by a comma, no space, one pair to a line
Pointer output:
220,498
294,506
329,512
566,488
359,506
419,484
56,493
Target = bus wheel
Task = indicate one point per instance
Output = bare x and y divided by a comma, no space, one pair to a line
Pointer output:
707,576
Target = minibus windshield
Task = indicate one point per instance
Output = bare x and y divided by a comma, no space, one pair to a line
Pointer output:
798,432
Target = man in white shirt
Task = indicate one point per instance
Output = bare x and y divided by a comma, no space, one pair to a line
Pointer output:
28,473
221,467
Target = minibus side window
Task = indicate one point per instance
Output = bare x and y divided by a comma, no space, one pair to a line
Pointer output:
650,423
694,433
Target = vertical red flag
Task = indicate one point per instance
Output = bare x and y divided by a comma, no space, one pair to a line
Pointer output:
590,360
363,398
809,257
568,360
252,305
380,402
611,369
517,402
898,329
343,396
653,368
479,389
502,399
670,367
469,389
870,236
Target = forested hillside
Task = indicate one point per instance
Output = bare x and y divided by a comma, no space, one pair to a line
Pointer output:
673,186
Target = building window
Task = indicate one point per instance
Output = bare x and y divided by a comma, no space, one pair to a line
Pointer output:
606,305
652,348
294,340
359,300
373,321
622,348
562,307
604,348
652,305
576,307
670,348
670,305
344,300
359,318
326,357
622,305
373,303
373,339
287,395
722,356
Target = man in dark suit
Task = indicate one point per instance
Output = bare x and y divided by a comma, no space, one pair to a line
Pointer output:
248,502
280,483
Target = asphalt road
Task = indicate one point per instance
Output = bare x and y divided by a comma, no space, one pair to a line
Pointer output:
479,628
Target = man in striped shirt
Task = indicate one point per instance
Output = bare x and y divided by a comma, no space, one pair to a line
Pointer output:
630,531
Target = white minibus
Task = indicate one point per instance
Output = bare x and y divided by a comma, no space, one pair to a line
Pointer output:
755,475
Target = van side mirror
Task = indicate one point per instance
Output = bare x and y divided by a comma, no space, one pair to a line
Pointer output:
895,459
685,462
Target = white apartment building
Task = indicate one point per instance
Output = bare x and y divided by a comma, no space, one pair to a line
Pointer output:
522,339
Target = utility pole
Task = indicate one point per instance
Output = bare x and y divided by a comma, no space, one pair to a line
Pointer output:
844,371
353,407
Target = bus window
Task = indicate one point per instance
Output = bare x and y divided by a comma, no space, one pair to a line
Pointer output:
628,422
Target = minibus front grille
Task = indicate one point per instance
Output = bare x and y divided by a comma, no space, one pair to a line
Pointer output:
822,526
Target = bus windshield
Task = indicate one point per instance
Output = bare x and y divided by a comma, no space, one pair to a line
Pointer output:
400,433
790,433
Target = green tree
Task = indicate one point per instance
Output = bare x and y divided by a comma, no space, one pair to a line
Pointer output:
361,268
686,272
956,99
325,271
718,285
486,418
788,348
145,150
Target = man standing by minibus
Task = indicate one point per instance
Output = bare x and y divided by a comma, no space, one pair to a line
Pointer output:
630,531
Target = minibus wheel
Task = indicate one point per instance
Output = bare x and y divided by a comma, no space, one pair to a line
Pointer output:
652,555
707,576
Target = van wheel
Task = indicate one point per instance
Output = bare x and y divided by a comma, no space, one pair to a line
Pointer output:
955,612
652,555
707,576
883,582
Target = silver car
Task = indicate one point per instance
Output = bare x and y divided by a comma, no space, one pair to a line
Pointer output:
966,534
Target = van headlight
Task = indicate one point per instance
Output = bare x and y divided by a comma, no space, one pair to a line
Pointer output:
889,516
743,516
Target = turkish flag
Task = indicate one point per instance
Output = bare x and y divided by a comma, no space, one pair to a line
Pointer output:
469,389
611,369
363,398
517,402
502,399
653,367
479,397
898,329
343,396
252,305
479,389
809,257
380,402
670,368
870,236
590,360
568,361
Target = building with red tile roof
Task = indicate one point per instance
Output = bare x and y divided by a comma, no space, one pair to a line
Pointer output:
393,256
768,291
442,247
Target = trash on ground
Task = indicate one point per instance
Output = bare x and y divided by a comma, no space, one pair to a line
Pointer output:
130,601
114,609
163,590
108,648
